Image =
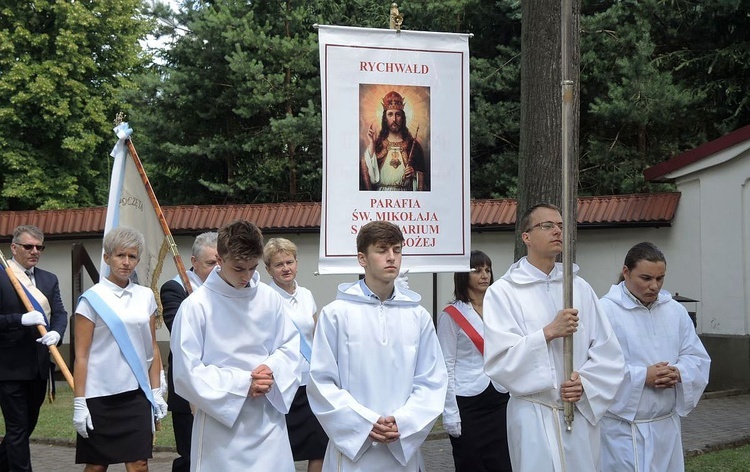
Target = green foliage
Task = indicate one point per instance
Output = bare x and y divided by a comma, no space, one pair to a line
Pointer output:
62,65
231,111
658,77
633,109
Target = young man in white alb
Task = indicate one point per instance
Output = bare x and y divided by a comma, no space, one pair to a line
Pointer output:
378,377
236,359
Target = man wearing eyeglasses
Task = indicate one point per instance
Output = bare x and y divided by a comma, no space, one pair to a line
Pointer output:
24,355
525,324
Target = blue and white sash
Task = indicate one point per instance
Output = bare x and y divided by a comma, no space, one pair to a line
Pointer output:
120,333
304,348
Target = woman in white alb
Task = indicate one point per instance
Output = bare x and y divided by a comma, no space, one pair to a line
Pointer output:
474,414
306,435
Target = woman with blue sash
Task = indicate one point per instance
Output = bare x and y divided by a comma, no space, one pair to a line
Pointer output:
117,363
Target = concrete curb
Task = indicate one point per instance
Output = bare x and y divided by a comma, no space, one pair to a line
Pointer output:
725,393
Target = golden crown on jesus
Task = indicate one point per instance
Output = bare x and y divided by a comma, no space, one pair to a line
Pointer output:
393,101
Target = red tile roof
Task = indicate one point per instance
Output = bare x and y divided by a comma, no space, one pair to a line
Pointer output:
618,210
657,172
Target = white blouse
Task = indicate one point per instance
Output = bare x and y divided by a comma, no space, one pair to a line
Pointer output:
465,364
108,373
301,308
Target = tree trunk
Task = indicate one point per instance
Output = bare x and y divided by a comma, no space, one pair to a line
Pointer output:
540,153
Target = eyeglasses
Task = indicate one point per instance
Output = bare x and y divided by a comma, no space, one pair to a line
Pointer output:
29,247
546,226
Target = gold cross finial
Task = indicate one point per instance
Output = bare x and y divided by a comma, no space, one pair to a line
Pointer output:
119,118
397,19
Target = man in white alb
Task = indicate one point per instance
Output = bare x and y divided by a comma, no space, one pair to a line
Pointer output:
525,324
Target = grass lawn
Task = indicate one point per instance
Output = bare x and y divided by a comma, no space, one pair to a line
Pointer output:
727,460
56,422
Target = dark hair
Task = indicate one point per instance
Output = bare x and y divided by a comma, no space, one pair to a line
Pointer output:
405,133
523,222
385,130
240,240
461,279
378,232
644,251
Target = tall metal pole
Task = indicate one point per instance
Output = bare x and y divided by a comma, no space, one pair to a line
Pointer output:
568,182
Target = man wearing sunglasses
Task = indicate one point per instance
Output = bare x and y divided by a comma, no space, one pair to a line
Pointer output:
24,355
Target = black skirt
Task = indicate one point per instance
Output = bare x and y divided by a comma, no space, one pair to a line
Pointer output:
306,435
483,444
122,430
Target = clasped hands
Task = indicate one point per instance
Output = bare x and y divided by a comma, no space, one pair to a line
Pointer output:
385,430
662,375
261,381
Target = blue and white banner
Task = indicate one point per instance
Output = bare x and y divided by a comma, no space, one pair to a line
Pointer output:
395,144
129,204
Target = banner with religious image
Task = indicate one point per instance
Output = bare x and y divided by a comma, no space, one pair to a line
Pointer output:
395,144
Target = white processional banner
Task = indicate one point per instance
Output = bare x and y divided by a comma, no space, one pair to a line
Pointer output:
130,205
395,144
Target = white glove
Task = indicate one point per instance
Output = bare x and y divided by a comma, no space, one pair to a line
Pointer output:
454,429
161,406
402,281
50,339
162,383
81,416
32,318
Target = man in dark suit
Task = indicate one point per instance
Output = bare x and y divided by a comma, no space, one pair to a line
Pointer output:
172,294
24,355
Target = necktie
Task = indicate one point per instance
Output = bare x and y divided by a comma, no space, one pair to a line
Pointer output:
30,274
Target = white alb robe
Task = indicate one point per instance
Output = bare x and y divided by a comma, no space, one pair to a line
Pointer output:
373,359
641,431
516,309
220,334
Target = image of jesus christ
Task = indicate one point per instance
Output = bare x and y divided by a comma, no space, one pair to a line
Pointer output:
393,159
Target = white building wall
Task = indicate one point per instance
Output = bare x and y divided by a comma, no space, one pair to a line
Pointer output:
599,253
714,208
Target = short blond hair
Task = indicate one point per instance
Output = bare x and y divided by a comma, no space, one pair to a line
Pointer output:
277,245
